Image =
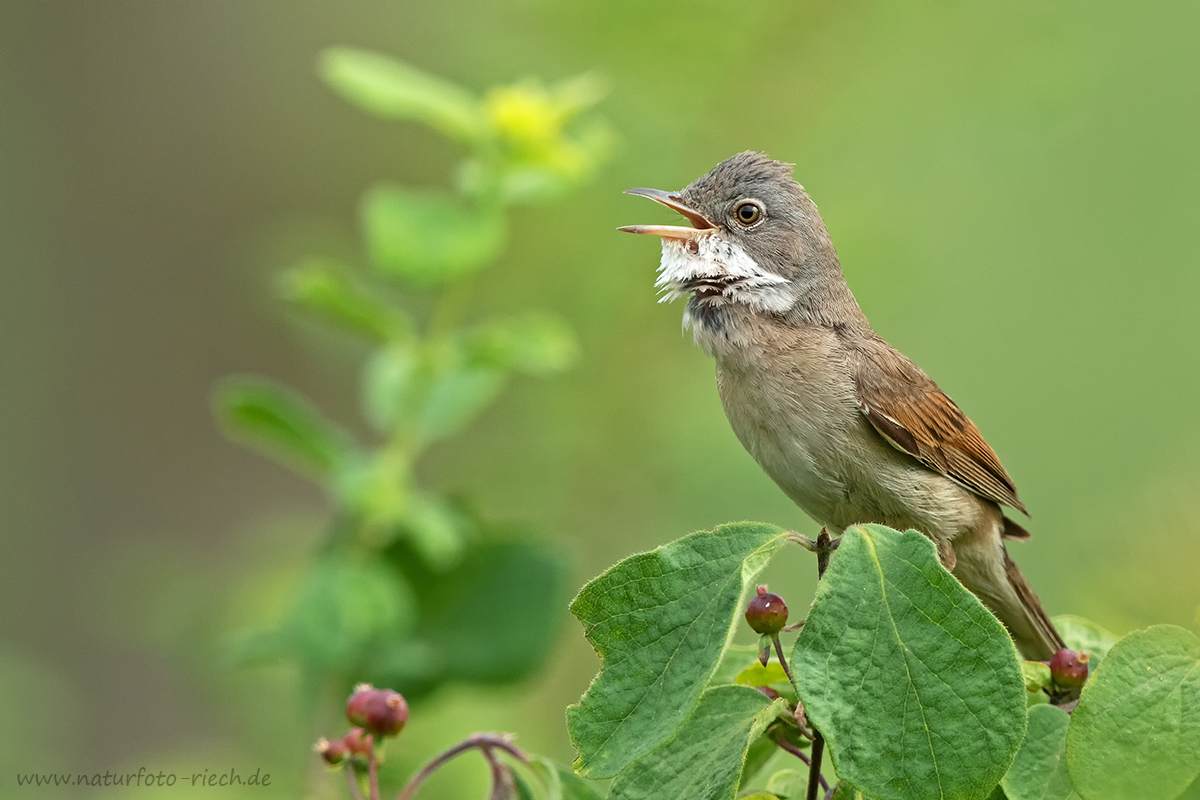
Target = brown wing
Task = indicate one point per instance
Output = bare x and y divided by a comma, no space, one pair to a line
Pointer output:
913,414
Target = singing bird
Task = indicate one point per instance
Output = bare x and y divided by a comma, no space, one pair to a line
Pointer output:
847,426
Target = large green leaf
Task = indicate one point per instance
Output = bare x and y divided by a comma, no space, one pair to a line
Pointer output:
428,238
1136,732
704,759
660,622
1039,772
916,686
391,88
280,423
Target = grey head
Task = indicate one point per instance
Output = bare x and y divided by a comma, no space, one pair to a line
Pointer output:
756,241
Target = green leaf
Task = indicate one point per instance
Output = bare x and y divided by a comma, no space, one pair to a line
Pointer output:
456,398
491,619
1192,792
844,791
788,784
277,421
344,609
760,753
561,782
428,238
660,622
915,685
536,343
435,531
737,657
326,289
392,380
771,675
704,759
1036,675
1039,772
1086,636
1136,731
758,675
390,88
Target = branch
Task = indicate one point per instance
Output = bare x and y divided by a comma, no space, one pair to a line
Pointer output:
352,780
798,753
824,547
373,774
783,663
484,741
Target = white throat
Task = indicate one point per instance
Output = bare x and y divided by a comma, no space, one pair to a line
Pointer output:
719,271
725,282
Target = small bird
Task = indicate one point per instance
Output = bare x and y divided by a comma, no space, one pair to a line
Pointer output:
849,428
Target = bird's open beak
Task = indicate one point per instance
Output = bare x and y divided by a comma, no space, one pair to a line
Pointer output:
701,224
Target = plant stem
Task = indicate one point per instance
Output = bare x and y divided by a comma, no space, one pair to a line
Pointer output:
798,753
783,663
503,785
824,548
352,780
373,773
484,741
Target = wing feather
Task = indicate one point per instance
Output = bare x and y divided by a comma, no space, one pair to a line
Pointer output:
916,417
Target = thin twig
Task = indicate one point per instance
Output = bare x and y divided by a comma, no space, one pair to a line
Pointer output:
484,741
373,773
352,780
503,785
783,663
798,753
824,548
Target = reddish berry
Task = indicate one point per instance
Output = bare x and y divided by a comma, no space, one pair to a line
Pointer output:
766,612
332,752
1069,669
358,742
379,711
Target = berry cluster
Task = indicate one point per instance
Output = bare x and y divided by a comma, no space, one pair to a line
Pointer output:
373,713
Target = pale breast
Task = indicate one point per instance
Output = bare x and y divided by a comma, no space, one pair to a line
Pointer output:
793,406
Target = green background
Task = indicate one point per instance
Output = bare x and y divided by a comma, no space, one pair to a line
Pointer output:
1013,189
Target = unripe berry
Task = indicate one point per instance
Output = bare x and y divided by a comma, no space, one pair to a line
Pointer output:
379,711
766,612
1068,669
358,742
333,752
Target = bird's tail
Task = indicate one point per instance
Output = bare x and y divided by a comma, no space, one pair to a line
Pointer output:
1038,638
984,567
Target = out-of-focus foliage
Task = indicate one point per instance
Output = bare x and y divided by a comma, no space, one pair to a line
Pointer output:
412,589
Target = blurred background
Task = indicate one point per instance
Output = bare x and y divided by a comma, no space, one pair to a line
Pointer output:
1012,189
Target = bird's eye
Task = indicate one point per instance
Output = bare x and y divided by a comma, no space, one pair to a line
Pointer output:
748,212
